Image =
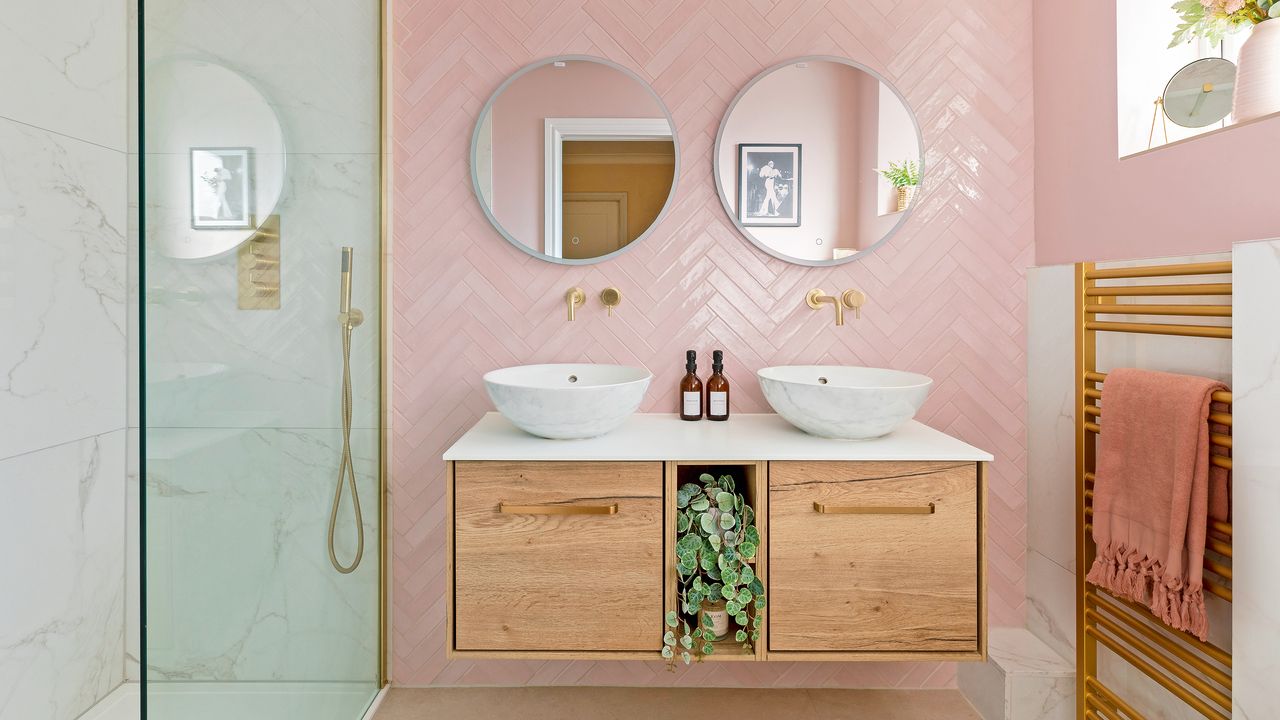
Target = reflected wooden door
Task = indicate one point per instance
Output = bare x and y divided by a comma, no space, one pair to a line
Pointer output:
595,223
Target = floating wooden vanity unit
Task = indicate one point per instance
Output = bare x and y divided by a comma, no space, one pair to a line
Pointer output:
870,550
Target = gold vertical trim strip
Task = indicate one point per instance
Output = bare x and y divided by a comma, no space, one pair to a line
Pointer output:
1086,361
384,340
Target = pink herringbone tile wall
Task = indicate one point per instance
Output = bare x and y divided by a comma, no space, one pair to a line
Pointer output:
946,294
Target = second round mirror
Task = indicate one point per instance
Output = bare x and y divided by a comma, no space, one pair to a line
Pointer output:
574,159
817,160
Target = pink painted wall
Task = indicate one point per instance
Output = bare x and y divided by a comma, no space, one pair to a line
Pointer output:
946,295
580,89
816,106
1199,196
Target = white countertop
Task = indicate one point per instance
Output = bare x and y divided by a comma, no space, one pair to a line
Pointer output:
654,436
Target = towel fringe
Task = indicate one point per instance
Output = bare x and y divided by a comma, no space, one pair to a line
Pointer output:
1141,579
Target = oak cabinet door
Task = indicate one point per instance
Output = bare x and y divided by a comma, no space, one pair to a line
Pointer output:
556,556
874,556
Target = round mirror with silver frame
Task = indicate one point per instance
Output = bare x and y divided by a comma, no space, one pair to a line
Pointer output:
799,154
574,159
1200,94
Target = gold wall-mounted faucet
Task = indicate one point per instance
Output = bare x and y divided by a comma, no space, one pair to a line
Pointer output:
574,297
851,299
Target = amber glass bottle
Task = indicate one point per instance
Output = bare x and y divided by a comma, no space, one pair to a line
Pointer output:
691,389
717,389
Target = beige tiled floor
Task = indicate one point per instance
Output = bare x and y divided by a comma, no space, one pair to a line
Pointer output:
565,703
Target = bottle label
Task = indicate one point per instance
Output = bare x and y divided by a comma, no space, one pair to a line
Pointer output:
718,403
692,403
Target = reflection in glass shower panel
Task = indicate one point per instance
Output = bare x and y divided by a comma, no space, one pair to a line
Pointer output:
260,113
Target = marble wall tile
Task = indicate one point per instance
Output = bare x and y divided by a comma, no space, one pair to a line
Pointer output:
64,68
1051,448
323,99
62,524
239,581
1051,603
132,560
62,289
1256,481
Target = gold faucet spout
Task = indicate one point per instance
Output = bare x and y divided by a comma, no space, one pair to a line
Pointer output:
816,299
574,297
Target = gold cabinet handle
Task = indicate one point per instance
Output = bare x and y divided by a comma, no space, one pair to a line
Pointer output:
558,509
873,509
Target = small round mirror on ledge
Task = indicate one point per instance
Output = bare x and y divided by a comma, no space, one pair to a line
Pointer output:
818,160
1200,94
574,159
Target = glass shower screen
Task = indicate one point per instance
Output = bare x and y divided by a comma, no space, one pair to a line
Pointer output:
260,257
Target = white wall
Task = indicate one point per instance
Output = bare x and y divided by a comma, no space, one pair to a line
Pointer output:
1144,64
63,297
1051,563
1256,480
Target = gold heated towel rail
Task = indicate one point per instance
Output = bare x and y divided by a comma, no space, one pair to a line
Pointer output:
1195,672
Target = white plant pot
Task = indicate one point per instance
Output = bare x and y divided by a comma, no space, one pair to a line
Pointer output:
1257,90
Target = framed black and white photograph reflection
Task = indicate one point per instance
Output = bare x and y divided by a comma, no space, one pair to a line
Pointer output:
221,188
769,185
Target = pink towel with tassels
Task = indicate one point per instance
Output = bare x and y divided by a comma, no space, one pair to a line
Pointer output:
1154,492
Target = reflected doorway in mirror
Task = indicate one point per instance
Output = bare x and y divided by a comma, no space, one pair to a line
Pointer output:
769,185
221,188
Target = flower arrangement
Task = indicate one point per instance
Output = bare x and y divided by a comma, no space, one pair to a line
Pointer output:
1212,19
906,174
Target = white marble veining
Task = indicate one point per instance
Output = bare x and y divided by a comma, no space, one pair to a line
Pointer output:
239,581
1051,602
744,436
567,401
62,289
323,98
1051,447
64,68
62,607
846,403
132,560
1022,679
1256,481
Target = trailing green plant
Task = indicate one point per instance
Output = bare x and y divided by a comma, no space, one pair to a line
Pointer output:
906,174
1213,19
715,537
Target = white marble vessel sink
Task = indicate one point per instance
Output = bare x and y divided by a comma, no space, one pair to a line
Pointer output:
567,401
848,403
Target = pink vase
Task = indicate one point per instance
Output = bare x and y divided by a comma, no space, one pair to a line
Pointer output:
1257,90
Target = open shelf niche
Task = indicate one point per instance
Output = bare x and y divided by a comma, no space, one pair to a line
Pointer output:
751,479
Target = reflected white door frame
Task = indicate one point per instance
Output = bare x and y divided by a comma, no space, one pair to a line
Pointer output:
555,132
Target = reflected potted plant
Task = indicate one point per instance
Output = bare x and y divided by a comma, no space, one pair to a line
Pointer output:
906,178
719,593
1257,89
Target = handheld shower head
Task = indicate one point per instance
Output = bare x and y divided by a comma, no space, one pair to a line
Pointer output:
344,292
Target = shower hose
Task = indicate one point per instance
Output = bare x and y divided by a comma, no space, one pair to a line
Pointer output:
346,470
